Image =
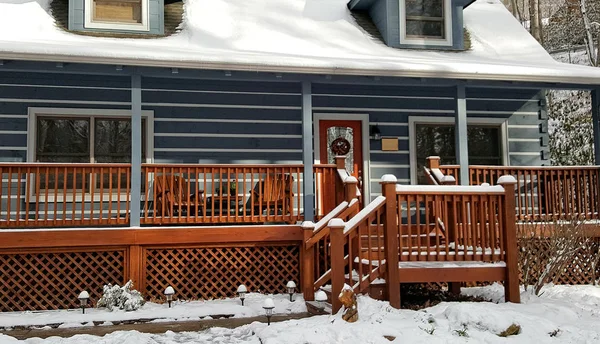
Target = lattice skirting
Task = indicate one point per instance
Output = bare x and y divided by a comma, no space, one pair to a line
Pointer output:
52,280
578,271
216,272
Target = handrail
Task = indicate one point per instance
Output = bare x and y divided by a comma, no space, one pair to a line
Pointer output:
364,213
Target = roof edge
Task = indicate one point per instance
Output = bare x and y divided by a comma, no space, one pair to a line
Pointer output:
585,81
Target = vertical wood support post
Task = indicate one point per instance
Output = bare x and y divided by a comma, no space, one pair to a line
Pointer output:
338,264
340,164
596,124
509,237
136,149
390,239
307,152
135,265
460,132
308,263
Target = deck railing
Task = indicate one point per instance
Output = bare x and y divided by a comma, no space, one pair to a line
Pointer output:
60,195
70,195
544,193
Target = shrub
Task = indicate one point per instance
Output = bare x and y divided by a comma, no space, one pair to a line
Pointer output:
125,298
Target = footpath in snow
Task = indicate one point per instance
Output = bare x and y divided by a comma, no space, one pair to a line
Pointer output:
562,314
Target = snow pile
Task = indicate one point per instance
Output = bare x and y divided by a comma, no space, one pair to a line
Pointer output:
292,36
124,298
567,314
180,311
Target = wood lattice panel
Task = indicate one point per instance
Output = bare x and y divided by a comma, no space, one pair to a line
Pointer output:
216,272
52,280
577,271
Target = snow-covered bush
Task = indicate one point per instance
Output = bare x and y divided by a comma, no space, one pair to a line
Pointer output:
125,298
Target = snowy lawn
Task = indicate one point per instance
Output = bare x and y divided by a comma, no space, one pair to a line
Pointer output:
180,311
563,314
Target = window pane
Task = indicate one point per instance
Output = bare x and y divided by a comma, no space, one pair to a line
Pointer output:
439,140
421,28
112,142
121,11
62,140
424,8
339,142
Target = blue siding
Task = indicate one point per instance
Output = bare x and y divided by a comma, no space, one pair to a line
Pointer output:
379,15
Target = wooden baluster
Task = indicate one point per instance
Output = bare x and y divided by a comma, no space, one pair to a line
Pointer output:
340,164
308,262
338,263
391,230
509,237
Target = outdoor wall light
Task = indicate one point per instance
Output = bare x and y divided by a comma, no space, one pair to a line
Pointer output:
169,294
291,287
375,132
321,298
83,297
242,290
268,305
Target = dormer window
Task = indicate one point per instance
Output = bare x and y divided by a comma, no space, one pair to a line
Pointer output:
425,22
130,15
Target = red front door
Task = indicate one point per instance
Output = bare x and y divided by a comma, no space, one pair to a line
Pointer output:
340,137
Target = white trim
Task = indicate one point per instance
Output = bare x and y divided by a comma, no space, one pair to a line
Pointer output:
510,113
523,126
91,24
414,120
218,92
55,101
362,110
13,116
524,140
263,136
392,124
505,100
525,153
10,148
390,152
68,86
219,120
447,41
13,132
366,151
191,105
380,96
389,166
234,150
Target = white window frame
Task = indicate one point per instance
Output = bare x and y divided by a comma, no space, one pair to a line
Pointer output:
412,131
35,112
447,41
91,24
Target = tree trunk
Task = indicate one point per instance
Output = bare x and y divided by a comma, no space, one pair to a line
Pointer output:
514,9
540,16
534,20
590,45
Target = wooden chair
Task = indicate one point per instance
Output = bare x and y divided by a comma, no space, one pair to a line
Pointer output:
274,193
171,196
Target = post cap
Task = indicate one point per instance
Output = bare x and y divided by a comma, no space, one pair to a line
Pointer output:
485,184
433,157
506,179
308,225
389,178
350,180
336,223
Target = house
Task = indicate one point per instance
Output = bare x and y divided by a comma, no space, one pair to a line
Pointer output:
234,115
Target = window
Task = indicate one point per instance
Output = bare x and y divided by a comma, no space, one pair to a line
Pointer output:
484,144
425,22
82,139
117,14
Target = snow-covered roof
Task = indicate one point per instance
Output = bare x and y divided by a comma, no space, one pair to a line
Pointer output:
300,36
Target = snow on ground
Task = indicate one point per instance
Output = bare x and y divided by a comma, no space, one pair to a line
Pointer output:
294,35
181,311
562,314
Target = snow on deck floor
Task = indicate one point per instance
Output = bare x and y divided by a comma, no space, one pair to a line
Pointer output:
181,311
563,314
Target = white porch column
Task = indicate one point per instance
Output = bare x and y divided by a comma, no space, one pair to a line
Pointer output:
136,149
307,152
460,132
596,124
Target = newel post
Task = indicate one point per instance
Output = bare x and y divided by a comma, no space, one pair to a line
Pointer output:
509,237
338,265
390,239
340,164
433,162
308,262
350,187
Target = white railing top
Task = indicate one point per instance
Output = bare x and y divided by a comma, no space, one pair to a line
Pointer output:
332,214
366,211
446,189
